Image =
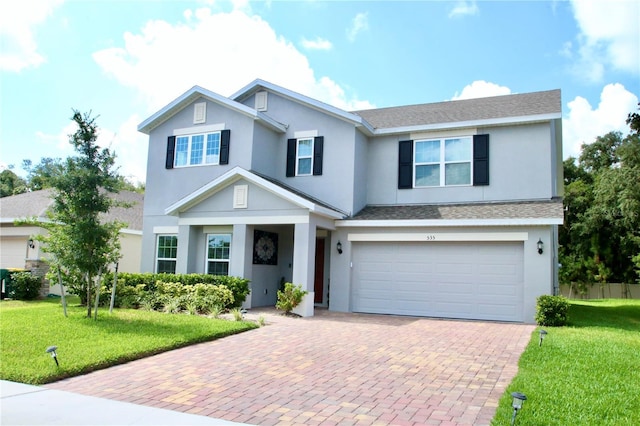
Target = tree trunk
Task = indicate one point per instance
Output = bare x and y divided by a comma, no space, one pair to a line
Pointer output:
64,299
88,278
113,290
98,285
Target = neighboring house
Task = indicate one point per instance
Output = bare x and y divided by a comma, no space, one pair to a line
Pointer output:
18,248
429,210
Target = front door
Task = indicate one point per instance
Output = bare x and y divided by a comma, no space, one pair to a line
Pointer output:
318,281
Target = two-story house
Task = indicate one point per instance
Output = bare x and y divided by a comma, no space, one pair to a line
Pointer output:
447,209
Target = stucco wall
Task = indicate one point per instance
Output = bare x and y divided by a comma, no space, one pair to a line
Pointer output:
520,168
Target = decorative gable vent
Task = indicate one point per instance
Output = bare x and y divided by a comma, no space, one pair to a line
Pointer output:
240,196
200,113
261,101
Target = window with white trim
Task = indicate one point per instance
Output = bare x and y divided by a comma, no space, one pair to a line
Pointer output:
443,162
194,150
304,157
218,247
166,254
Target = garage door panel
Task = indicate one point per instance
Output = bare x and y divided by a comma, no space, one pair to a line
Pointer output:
452,280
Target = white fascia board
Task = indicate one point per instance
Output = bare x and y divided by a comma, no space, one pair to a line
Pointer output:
440,223
130,231
245,220
195,92
473,123
297,97
439,236
236,174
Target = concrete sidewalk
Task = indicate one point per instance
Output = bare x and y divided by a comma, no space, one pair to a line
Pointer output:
33,405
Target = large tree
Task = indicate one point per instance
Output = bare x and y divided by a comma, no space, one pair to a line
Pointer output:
11,184
600,240
80,240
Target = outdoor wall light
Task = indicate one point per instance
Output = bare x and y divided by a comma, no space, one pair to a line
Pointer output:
339,247
518,400
540,246
52,350
31,243
543,334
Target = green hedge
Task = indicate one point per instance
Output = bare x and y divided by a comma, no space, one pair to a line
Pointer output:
24,286
552,311
131,286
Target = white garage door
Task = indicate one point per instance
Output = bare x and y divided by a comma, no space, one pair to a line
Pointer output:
448,280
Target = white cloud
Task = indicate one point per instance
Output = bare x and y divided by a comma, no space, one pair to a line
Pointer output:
584,123
481,89
219,51
463,8
317,44
18,21
358,24
608,37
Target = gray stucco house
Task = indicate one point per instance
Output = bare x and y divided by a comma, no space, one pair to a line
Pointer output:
446,209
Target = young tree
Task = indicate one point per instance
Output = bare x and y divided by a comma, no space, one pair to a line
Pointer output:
80,241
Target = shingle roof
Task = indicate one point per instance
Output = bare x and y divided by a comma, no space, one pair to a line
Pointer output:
503,210
36,204
518,105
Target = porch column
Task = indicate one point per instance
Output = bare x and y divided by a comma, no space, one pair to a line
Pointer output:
304,252
240,257
184,247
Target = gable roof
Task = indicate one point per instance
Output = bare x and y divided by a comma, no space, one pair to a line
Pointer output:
198,92
258,85
238,173
526,107
36,203
536,212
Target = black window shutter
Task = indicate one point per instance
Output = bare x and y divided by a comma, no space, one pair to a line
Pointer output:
291,157
225,137
171,149
318,148
405,165
480,160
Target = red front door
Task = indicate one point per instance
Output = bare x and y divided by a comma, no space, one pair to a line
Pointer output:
318,282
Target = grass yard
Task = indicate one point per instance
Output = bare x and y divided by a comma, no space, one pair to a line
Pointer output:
587,373
28,328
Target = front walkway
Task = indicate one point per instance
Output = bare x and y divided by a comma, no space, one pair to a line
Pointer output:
328,369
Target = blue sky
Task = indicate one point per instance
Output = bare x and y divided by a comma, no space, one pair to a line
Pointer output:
124,60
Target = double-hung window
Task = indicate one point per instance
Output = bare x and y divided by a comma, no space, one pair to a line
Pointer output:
443,162
218,246
304,154
166,254
194,150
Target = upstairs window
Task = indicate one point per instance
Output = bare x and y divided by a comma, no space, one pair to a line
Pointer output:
443,162
194,150
304,156
198,149
456,161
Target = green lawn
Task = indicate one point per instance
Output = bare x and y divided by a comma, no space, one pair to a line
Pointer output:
587,373
28,328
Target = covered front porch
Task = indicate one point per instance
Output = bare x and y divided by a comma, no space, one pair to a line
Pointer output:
246,226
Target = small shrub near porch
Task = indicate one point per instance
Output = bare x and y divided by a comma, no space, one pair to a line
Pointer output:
290,297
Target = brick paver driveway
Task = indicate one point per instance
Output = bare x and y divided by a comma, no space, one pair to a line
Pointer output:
331,369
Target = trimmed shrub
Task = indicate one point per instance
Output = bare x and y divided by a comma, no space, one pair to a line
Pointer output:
24,286
551,311
290,297
130,284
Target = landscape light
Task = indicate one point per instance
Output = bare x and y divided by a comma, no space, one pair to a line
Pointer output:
543,334
52,350
518,400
